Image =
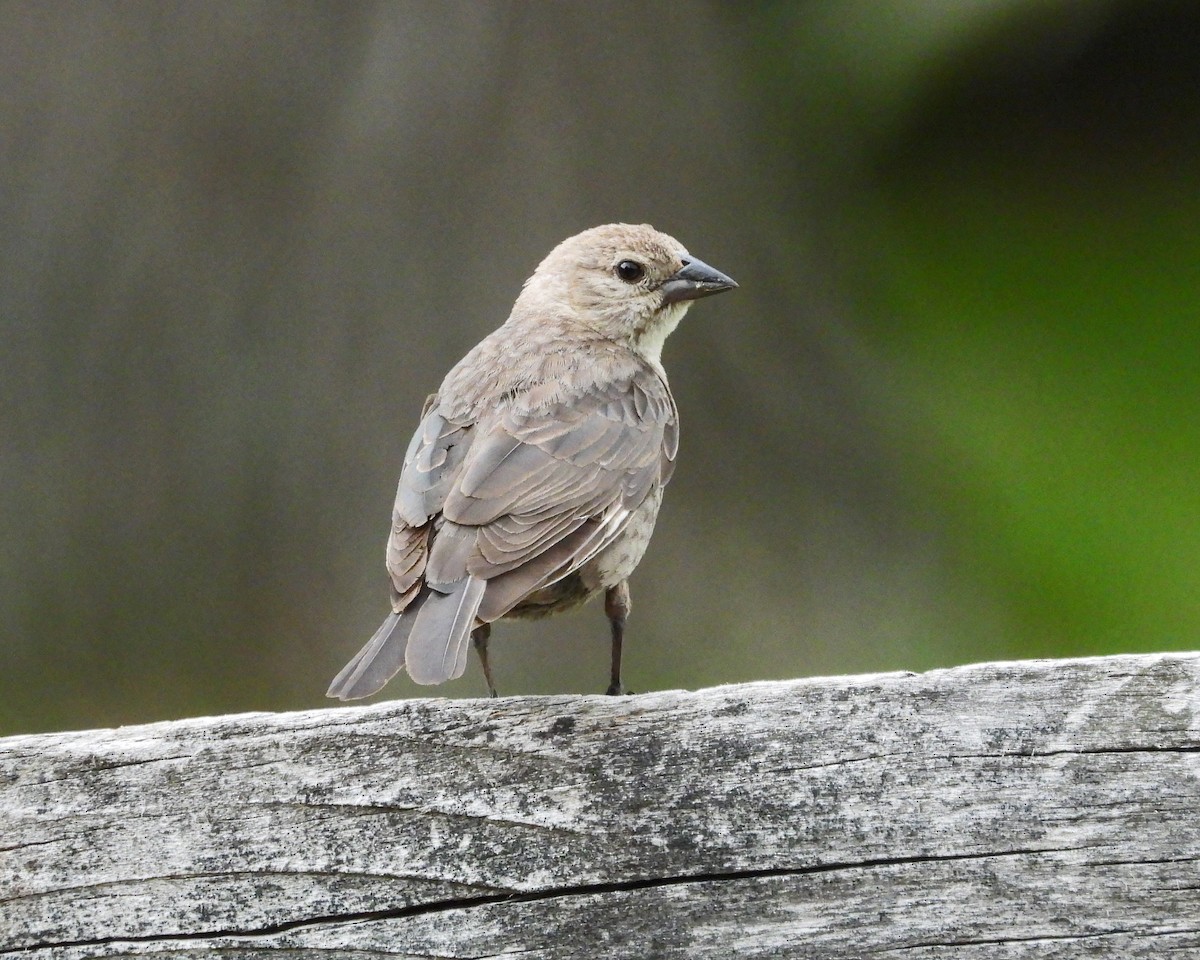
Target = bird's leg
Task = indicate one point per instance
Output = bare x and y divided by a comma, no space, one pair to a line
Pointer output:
617,605
480,635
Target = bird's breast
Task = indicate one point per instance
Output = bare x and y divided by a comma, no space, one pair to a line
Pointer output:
620,558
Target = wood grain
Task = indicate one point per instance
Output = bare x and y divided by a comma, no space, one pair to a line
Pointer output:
1030,809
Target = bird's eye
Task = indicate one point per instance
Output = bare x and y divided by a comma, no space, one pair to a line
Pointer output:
630,271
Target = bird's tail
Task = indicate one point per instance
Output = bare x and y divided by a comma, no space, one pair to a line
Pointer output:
377,662
429,639
437,644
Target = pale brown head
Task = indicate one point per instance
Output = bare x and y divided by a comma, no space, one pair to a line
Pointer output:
629,283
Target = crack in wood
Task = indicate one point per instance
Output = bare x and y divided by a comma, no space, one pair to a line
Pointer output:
1118,751
104,768
414,878
1038,938
533,896
378,810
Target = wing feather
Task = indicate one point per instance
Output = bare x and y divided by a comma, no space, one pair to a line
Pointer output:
432,465
452,549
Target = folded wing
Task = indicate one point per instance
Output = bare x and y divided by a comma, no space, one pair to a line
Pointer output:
490,511
551,482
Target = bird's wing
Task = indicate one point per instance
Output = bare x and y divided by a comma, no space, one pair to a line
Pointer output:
489,511
431,466
549,481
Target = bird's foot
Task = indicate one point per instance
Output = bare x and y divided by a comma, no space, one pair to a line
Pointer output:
618,689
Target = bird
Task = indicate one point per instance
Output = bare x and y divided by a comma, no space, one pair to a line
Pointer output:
535,476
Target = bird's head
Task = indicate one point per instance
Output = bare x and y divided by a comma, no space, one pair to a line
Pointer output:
628,283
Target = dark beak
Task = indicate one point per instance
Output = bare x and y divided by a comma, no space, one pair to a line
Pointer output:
695,279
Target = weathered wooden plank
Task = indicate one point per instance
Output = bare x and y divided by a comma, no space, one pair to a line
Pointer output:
1035,809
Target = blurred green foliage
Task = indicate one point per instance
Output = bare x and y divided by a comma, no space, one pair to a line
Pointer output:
1035,291
1044,338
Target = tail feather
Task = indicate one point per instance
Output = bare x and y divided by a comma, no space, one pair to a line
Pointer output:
437,645
377,662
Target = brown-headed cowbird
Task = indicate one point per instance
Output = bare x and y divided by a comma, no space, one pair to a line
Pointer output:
534,479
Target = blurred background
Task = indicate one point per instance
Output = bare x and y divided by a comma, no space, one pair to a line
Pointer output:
951,414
